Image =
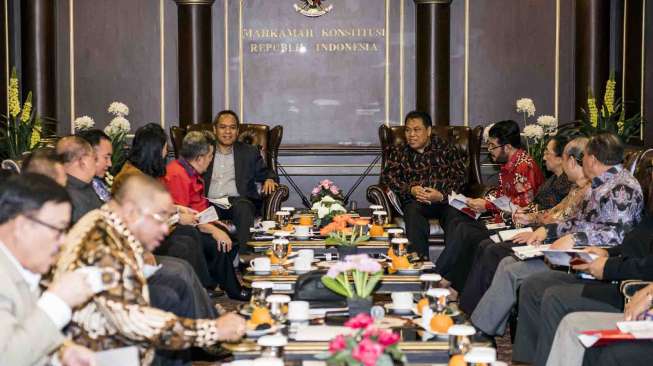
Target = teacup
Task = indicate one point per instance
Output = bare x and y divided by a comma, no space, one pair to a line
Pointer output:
302,264
402,300
306,220
302,231
268,224
298,310
261,264
306,253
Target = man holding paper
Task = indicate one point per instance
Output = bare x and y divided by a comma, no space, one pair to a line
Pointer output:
232,174
422,174
184,181
611,210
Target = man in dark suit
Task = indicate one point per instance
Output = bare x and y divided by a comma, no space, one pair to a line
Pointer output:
233,174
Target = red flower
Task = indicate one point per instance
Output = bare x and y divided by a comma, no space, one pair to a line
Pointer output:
337,344
361,320
387,338
367,352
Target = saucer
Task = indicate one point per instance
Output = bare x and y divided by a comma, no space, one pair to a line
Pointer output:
253,333
409,271
293,271
259,273
399,311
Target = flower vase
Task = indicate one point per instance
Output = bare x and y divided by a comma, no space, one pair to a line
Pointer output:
358,305
345,250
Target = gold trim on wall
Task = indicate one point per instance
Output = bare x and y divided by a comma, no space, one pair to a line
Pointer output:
466,69
643,62
556,96
7,52
387,62
240,60
226,54
402,24
162,56
71,31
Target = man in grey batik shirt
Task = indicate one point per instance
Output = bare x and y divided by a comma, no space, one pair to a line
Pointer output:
233,174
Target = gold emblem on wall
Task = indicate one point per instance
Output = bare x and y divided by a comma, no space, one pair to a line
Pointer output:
312,8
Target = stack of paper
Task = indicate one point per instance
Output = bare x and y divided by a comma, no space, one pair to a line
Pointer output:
459,202
568,257
525,252
507,235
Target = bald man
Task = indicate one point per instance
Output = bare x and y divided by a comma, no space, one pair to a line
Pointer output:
47,162
115,236
79,164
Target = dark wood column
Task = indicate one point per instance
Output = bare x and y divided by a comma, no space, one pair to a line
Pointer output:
38,55
432,58
195,79
592,50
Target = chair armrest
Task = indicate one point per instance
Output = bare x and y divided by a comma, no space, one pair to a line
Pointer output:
376,195
272,203
630,287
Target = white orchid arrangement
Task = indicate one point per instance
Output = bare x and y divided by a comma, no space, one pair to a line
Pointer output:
536,134
328,206
83,123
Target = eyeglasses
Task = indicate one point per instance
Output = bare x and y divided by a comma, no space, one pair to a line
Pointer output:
60,231
491,147
161,219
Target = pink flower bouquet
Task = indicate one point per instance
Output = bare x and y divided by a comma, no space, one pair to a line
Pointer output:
326,188
368,346
365,272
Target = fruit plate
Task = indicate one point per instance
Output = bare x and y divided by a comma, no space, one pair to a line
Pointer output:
420,323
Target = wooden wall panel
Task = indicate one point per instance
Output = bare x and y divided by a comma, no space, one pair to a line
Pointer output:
117,58
648,72
512,55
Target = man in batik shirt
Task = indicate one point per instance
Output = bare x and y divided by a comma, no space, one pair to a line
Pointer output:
115,236
519,180
422,173
612,208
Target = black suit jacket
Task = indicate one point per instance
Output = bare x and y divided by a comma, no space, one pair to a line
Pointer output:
250,168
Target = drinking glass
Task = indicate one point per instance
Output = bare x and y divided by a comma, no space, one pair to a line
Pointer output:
280,248
260,291
282,218
379,218
399,246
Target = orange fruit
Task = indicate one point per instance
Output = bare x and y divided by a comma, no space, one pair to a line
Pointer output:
457,360
400,262
289,227
274,259
440,323
261,315
421,304
376,230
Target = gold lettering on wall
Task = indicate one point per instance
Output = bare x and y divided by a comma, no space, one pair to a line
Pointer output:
300,40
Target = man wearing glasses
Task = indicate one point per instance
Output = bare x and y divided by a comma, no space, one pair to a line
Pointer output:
116,236
34,217
519,180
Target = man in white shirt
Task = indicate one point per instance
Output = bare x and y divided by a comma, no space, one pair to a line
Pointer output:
34,217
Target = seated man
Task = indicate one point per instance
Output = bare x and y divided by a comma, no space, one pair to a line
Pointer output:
519,180
46,161
116,236
101,143
233,174
184,181
568,351
79,164
489,253
611,210
422,174
34,215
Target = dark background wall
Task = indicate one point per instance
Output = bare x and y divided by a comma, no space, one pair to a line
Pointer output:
500,50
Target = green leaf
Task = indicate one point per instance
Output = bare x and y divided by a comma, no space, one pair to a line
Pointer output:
384,360
371,283
334,286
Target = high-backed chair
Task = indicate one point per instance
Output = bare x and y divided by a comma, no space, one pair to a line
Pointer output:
266,138
464,138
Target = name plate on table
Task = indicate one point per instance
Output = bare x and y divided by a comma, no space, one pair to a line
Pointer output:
281,286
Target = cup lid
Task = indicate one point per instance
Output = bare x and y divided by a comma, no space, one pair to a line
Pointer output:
461,330
262,284
434,277
278,298
399,241
438,292
376,207
481,355
281,241
379,213
282,234
395,230
273,341
289,209
282,213
267,361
